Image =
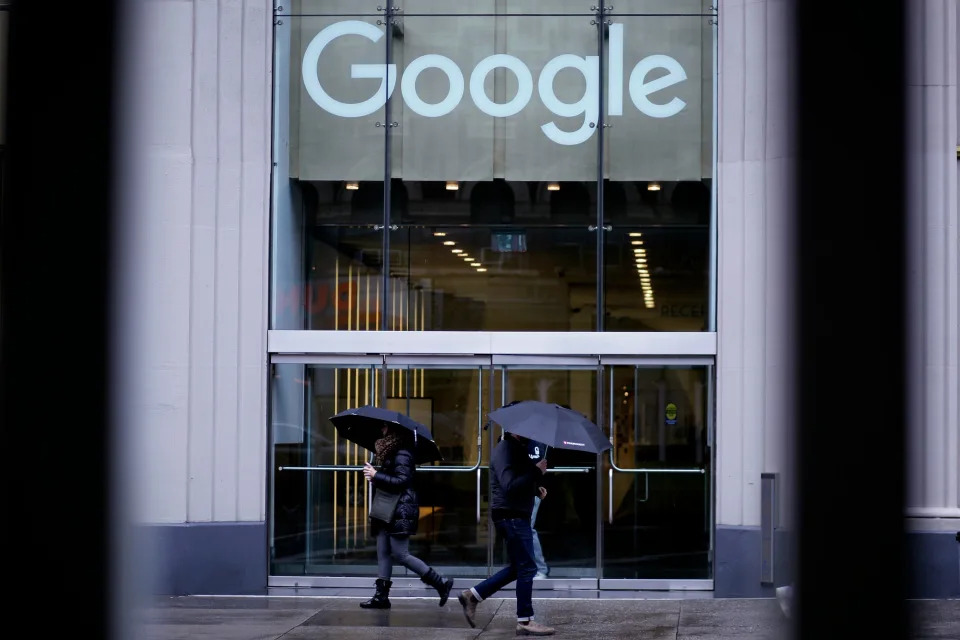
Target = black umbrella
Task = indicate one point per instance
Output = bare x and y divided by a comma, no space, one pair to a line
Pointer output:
363,424
551,424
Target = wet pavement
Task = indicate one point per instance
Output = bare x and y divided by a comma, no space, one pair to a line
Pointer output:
677,617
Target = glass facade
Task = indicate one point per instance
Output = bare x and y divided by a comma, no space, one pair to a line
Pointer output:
514,168
507,166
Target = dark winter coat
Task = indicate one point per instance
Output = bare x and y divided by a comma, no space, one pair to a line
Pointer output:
514,480
396,476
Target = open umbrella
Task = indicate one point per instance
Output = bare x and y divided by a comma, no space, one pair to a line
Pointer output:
551,424
362,425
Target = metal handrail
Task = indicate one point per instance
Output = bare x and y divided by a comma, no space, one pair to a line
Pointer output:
451,469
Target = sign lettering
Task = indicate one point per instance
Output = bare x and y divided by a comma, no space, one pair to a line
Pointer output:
641,89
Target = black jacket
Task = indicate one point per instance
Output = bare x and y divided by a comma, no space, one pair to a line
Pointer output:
396,476
514,480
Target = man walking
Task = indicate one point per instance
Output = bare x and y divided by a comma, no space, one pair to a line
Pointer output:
514,481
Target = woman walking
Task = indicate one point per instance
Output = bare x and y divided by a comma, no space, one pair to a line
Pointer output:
395,459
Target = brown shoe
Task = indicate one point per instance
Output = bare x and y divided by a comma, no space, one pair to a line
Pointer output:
469,603
534,628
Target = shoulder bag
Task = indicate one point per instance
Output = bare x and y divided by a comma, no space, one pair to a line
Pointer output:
383,505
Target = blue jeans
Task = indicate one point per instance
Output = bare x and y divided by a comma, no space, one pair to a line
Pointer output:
537,549
518,537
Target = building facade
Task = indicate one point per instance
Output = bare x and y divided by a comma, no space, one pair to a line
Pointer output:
442,208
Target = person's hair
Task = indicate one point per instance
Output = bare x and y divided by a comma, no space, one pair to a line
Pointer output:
405,435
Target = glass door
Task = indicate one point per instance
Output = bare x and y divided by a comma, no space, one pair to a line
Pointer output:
566,522
319,502
657,520
451,396
638,516
319,499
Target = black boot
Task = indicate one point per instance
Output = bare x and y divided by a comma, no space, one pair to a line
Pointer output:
379,599
438,582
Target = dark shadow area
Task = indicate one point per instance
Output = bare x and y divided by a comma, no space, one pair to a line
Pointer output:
850,565
56,226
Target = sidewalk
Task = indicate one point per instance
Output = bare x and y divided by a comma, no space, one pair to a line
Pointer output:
339,617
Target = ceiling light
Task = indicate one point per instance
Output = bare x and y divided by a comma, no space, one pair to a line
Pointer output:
452,185
636,242
474,264
457,250
553,186
449,243
653,186
439,234
353,186
467,258
635,234
481,269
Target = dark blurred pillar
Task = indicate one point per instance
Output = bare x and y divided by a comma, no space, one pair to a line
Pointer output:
851,304
55,232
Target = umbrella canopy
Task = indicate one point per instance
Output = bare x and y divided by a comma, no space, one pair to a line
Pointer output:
551,424
362,425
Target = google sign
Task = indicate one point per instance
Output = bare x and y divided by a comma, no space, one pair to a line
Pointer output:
639,87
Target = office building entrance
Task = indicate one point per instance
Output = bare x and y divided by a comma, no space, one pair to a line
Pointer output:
638,516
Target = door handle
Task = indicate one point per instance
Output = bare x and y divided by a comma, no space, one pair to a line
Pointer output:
646,493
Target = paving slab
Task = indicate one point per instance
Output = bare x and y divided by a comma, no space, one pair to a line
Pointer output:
935,619
733,618
419,618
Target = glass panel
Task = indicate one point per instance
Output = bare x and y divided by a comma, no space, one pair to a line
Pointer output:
566,522
319,523
657,278
450,401
319,515
330,150
494,169
492,139
660,521
658,166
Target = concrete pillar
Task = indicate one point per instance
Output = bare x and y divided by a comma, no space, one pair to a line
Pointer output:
932,281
